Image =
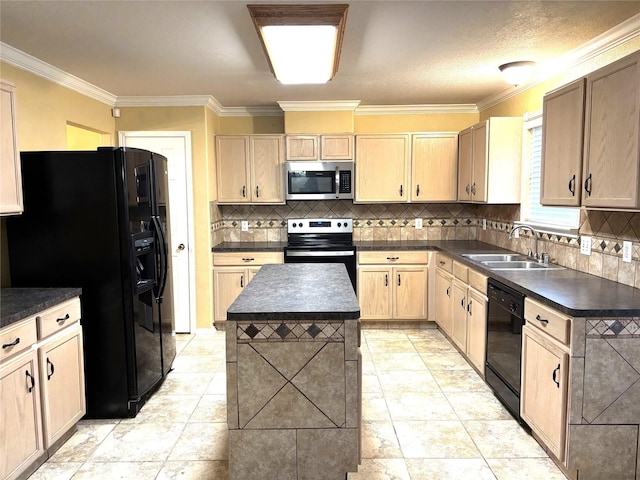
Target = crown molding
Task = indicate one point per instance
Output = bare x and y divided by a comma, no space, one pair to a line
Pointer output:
317,106
23,60
618,35
416,109
251,112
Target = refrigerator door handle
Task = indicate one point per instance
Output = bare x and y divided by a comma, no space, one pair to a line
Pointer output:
163,255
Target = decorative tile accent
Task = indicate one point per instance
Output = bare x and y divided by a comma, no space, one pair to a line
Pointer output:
290,331
613,327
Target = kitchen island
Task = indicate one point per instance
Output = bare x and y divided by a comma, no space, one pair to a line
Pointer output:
294,375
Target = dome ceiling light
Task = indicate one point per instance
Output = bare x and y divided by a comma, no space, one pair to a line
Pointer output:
517,73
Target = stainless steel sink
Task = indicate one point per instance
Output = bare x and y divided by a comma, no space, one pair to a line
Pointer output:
495,257
519,265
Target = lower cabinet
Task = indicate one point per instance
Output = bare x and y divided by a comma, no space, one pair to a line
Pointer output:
231,273
444,293
392,285
477,328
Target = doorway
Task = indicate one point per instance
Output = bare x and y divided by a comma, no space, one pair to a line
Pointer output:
176,147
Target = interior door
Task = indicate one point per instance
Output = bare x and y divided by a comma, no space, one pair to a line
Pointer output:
176,147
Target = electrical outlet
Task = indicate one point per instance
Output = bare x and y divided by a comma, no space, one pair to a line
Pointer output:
484,223
627,248
418,223
516,233
585,245
244,226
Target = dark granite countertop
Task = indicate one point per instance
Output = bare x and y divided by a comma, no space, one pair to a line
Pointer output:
249,247
570,291
297,291
19,303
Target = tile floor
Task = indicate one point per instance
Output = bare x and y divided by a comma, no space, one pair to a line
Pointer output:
427,416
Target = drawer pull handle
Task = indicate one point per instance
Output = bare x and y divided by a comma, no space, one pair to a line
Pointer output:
544,321
393,259
50,368
32,381
248,259
555,372
61,320
441,262
12,344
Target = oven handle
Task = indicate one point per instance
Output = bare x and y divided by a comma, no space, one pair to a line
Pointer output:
313,253
337,182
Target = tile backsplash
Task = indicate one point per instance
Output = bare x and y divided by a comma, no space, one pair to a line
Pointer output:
448,221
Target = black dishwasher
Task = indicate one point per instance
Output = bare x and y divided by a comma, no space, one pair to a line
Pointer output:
505,317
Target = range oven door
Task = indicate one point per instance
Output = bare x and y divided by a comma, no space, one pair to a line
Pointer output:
344,255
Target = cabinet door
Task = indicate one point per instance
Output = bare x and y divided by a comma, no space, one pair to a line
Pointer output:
444,300
477,329
302,147
11,179
267,176
459,326
21,431
611,157
336,147
543,400
375,292
465,152
232,160
434,167
480,160
562,140
381,168
62,380
410,301
228,283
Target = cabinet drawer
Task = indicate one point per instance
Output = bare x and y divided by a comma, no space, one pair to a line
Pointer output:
444,262
477,281
18,337
554,323
460,271
56,318
247,258
392,257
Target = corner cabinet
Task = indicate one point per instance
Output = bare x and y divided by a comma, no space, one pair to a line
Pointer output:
249,169
395,284
11,178
611,168
489,161
382,168
434,167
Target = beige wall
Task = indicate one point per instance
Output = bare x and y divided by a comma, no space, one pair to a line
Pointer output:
338,121
250,125
193,119
441,122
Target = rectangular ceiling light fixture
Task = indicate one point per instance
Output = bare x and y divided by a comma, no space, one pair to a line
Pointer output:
302,42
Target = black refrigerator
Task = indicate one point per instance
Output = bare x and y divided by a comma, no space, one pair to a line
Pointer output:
99,220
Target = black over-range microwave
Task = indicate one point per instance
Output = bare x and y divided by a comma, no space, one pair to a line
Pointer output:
314,180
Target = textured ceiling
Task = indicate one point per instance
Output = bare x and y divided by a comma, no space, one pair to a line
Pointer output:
394,52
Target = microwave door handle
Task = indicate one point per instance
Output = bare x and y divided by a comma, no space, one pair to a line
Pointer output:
337,182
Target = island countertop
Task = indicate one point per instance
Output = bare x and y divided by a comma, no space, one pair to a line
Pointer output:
297,291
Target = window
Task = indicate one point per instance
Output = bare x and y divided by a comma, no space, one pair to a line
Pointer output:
548,219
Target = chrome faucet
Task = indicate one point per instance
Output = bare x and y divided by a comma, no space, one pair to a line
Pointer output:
535,238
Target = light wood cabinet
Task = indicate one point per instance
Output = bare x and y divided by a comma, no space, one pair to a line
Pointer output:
459,317
249,169
393,285
434,167
562,143
20,415
546,339
232,271
611,176
477,328
444,299
329,147
489,161
382,168
11,178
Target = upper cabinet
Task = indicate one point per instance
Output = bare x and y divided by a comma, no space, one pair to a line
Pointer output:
249,169
434,167
11,178
612,130
382,167
319,147
489,160
562,140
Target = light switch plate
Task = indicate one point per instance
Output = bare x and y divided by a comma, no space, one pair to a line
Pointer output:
516,233
484,223
244,226
627,248
585,245
418,223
